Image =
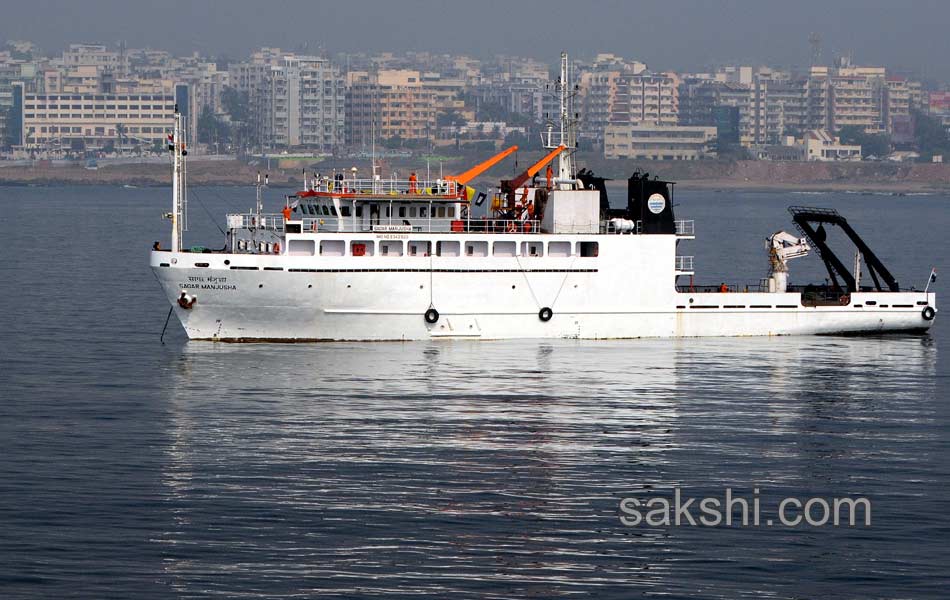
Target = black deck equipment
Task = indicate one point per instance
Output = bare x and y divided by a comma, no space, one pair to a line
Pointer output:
805,219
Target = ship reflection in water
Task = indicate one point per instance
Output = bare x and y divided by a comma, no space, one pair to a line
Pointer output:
496,469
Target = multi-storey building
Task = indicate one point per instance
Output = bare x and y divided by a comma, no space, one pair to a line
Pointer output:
96,55
658,142
303,102
597,97
388,104
67,121
13,74
625,98
296,101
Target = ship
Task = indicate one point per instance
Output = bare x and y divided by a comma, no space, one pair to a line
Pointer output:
543,255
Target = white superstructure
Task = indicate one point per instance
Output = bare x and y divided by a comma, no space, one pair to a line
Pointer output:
376,259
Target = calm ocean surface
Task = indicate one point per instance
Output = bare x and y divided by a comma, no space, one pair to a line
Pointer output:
132,469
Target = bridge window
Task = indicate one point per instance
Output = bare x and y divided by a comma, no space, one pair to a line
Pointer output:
345,211
420,248
390,248
503,249
332,247
300,247
450,248
402,211
588,249
476,248
559,249
532,248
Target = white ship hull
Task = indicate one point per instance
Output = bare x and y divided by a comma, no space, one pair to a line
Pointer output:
617,294
386,259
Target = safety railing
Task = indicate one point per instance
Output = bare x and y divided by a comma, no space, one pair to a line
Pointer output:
252,221
685,227
684,264
622,226
436,187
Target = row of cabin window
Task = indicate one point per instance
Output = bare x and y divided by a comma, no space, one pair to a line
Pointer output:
455,248
438,212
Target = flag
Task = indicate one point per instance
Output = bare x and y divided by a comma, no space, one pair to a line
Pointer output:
933,275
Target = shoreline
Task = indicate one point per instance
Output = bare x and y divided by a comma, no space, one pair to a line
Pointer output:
745,176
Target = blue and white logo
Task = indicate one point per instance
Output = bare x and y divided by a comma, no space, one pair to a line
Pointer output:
656,203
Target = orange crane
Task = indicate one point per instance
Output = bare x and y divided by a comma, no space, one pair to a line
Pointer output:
480,168
531,171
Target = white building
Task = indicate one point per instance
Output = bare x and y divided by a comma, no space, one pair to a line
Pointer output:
297,101
658,142
822,146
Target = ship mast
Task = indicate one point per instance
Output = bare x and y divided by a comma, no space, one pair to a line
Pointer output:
566,135
179,197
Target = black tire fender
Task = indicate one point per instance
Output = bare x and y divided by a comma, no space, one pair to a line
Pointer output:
545,314
432,316
928,313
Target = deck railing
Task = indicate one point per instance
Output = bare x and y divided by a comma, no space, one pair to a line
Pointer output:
684,264
681,227
437,187
276,223
685,227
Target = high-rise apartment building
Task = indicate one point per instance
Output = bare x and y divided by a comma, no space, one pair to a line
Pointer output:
296,101
388,104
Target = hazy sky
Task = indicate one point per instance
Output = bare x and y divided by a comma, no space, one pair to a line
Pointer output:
666,34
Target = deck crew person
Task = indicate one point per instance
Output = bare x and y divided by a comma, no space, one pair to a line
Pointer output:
286,212
549,175
412,183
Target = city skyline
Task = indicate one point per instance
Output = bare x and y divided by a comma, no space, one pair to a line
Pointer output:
681,35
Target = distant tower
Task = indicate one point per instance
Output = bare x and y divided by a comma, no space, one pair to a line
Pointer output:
814,40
